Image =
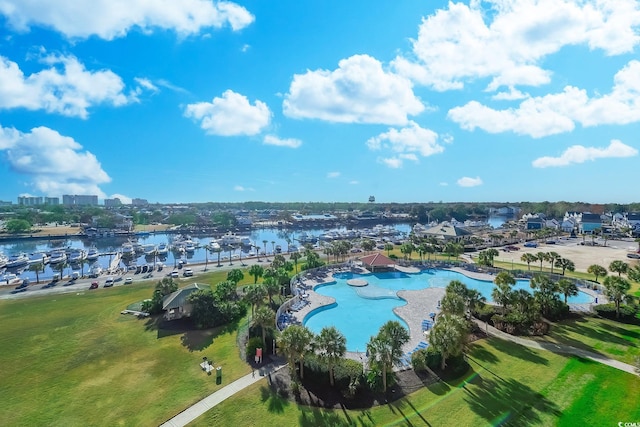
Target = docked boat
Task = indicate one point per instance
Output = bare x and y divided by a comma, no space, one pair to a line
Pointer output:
3,260
92,254
189,246
38,257
213,246
57,256
95,270
305,238
230,239
77,256
149,250
127,249
11,280
162,249
17,261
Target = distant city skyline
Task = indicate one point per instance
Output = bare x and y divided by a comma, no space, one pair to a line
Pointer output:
525,100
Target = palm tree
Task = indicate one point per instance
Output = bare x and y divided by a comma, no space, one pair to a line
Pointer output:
566,264
235,275
597,270
273,246
368,245
502,292
265,318
36,267
619,267
448,336
256,271
295,257
388,247
295,342
542,257
385,349
254,295
545,292
552,258
231,249
218,250
568,288
331,346
264,242
616,289
272,287
528,258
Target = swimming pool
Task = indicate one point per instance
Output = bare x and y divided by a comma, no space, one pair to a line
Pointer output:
360,312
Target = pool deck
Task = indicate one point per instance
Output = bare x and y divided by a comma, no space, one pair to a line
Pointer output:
419,302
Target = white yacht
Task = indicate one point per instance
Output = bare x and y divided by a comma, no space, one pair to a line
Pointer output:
127,249
57,256
16,261
162,249
213,246
38,257
149,249
230,239
11,280
3,260
92,254
77,255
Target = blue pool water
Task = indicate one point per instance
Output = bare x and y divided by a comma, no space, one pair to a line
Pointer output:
359,318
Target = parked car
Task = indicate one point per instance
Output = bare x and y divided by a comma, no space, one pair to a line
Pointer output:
128,281
188,272
109,282
175,274
530,245
633,255
94,285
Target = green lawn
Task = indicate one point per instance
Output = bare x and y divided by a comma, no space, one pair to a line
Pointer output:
75,360
507,383
620,341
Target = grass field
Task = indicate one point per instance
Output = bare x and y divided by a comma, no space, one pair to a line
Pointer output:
73,359
508,385
616,340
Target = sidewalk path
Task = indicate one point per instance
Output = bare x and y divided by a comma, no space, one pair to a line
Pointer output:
193,412
558,348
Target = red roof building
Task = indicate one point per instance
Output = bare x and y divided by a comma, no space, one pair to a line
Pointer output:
378,261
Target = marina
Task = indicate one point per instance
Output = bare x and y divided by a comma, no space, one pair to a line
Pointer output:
153,251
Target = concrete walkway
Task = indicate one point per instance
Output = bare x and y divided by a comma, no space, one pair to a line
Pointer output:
194,411
557,348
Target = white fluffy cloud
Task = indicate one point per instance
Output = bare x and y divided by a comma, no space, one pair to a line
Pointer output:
507,40
55,163
358,91
230,115
125,200
556,113
580,154
406,143
282,142
242,188
109,19
67,87
466,181
333,174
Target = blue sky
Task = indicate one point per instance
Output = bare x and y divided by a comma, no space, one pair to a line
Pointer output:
199,100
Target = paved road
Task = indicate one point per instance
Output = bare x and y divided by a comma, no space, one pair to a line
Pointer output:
558,348
194,411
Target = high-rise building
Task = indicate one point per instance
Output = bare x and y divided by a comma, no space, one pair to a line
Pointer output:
139,202
112,202
52,201
30,200
79,200
5,203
